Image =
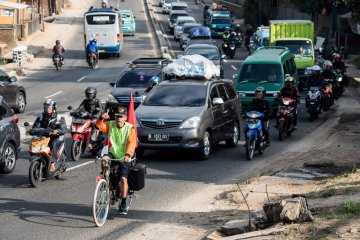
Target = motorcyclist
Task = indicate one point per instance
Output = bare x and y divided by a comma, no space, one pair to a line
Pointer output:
92,49
152,83
328,73
226,35
123,142
339,67
91,108
290,91
50,120
259,104
249,32
58,50
316,80
237,28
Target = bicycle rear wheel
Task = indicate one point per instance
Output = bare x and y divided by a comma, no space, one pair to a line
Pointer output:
101,203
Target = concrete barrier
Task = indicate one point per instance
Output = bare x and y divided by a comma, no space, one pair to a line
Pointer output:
164,49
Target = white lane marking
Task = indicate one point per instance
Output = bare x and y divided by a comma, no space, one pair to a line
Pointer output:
225,60
82,78
233,67
53,94
80,165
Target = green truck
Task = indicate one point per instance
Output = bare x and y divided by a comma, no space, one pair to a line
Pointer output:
298,36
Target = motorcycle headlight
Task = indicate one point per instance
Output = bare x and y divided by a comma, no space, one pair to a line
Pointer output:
190,123
111,99
225,45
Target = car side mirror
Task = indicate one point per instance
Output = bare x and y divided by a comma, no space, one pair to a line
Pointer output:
69,108
235,76
13,79
217,101
112,84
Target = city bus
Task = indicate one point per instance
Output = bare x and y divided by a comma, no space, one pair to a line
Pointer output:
104,25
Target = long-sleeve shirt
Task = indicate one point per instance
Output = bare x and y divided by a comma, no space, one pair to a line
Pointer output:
131,140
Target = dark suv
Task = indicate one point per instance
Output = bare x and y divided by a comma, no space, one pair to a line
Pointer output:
189,114
9,138
134,79
13,92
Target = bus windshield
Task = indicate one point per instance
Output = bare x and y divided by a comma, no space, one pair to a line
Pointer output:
100,19
299,47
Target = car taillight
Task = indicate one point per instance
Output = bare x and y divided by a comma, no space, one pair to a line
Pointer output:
15,119
118,38
85,39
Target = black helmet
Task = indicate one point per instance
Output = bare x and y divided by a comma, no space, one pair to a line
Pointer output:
49,103
90,93
94,40
57,42
261,90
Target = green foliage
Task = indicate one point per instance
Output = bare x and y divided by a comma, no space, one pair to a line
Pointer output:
350,208
251,13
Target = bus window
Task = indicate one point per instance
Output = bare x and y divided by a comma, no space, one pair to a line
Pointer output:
100,19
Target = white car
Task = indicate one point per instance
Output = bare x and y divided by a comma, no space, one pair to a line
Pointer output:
166,6
178,27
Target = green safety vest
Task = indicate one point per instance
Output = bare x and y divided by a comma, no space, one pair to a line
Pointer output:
118,138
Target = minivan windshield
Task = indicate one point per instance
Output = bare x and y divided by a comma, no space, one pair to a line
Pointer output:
299,47
260,73
137,78
174,16
221,20
177,96
179,8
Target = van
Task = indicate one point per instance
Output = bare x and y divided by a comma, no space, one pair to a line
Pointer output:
179,6
267,68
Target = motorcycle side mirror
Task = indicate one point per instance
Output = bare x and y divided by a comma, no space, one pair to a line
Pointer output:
112,84
26,124
69,108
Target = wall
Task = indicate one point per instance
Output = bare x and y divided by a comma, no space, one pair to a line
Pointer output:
7,35
8,19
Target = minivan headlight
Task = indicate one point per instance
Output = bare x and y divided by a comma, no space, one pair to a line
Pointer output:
111,99
242,94
190,123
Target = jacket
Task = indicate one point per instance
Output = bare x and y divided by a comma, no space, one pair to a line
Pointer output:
90,106
58,49
290,92
49,123
104,126
262,106
92,47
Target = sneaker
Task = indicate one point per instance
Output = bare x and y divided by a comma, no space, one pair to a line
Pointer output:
123,208
52,167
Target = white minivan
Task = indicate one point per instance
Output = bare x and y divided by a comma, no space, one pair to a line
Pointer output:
178,27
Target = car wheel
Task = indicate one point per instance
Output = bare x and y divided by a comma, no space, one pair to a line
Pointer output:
20,103
9,157
233,141
205,150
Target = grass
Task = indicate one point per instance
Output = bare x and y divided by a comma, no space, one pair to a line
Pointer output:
349,209
2,61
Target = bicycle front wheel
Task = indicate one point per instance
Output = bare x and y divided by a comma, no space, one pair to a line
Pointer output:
101,203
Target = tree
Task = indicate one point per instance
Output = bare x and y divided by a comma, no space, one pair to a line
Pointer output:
310,6
354,6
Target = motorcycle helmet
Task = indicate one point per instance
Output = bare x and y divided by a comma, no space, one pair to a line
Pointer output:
49,103
316,68
260,92
90,93
154,80
94,40
57,42
337,57
289,80
227,31
328,65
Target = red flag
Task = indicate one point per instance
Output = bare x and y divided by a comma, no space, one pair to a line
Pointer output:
132,116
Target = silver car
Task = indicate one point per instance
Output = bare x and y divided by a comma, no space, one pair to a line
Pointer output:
166,5
189,114
178,27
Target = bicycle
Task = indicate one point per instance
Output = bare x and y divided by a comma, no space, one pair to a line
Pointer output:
105,195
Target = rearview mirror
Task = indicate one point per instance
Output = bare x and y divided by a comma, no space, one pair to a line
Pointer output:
217,101
112,84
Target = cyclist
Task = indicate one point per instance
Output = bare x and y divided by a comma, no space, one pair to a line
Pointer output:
122,146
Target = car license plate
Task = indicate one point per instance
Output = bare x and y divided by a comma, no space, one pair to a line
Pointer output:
101,50
157,137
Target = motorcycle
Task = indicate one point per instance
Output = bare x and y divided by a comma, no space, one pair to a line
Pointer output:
57,62
92,60
254,136
238,39
328,93
314,102
40,157
285,117
81,132
342,79
229,49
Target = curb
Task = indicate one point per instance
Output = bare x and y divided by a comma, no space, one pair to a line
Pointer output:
164,49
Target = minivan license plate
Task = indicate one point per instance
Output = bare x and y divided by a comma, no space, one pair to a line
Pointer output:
158,137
